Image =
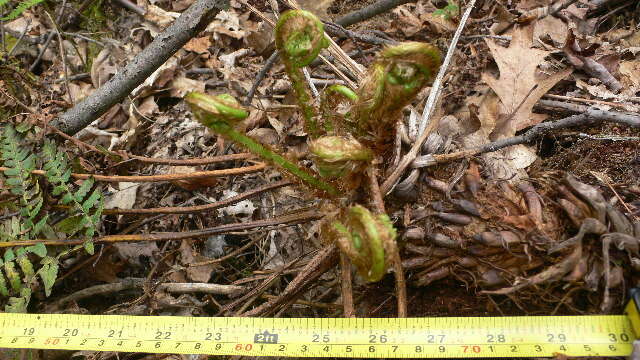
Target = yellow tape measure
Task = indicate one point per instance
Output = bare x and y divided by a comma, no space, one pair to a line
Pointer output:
524,336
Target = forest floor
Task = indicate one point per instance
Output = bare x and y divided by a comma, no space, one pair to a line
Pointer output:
490,233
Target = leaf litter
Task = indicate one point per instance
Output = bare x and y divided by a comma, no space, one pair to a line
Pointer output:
537,232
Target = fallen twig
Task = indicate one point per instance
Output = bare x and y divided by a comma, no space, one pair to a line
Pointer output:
338,30
131,6
165,177
261,75
322,262
149,160
590,117
189,24
135,283
370,11
199,208
291,219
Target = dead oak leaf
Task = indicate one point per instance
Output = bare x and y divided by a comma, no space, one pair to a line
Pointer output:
520,84
199,45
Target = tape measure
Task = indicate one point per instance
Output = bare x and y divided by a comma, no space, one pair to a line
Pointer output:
459,337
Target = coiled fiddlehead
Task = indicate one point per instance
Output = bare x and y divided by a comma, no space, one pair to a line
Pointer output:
299,38
392,82
367,239
220,113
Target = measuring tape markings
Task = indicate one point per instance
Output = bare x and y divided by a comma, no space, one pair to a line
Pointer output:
362,337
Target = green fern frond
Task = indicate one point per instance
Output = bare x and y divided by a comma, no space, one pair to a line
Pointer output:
11,281
20,163
18,10
23,267
88,204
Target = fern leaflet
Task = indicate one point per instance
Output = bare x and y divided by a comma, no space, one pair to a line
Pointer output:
18,10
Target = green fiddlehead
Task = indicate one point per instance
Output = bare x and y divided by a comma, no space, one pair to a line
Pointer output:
299,38
367,240
392,82
220,113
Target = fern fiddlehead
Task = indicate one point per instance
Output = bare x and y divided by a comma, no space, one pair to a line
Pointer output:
367,239
299,38
220,113
392,82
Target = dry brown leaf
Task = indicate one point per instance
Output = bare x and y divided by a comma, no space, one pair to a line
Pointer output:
552,27
160,17
102,67
407,21
182,85
199,45
189,256
520,84
318,7
582,58
631,73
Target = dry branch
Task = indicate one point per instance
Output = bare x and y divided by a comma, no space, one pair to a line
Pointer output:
199,208
370,11
165,177
189,24
589,117
291,219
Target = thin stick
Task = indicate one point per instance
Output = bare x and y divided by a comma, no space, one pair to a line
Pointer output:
346,286
229,255
370,11
590,117
165,177
63,56
131,6
199,208
261,75
164,161
428,107
291,219
50,36
321,263
135,283
24,32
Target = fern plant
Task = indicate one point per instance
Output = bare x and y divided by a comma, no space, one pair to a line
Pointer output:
19,9
18,273
342,145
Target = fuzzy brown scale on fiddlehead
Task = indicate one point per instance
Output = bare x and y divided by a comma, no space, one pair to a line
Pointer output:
299,38
333,109
392,82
